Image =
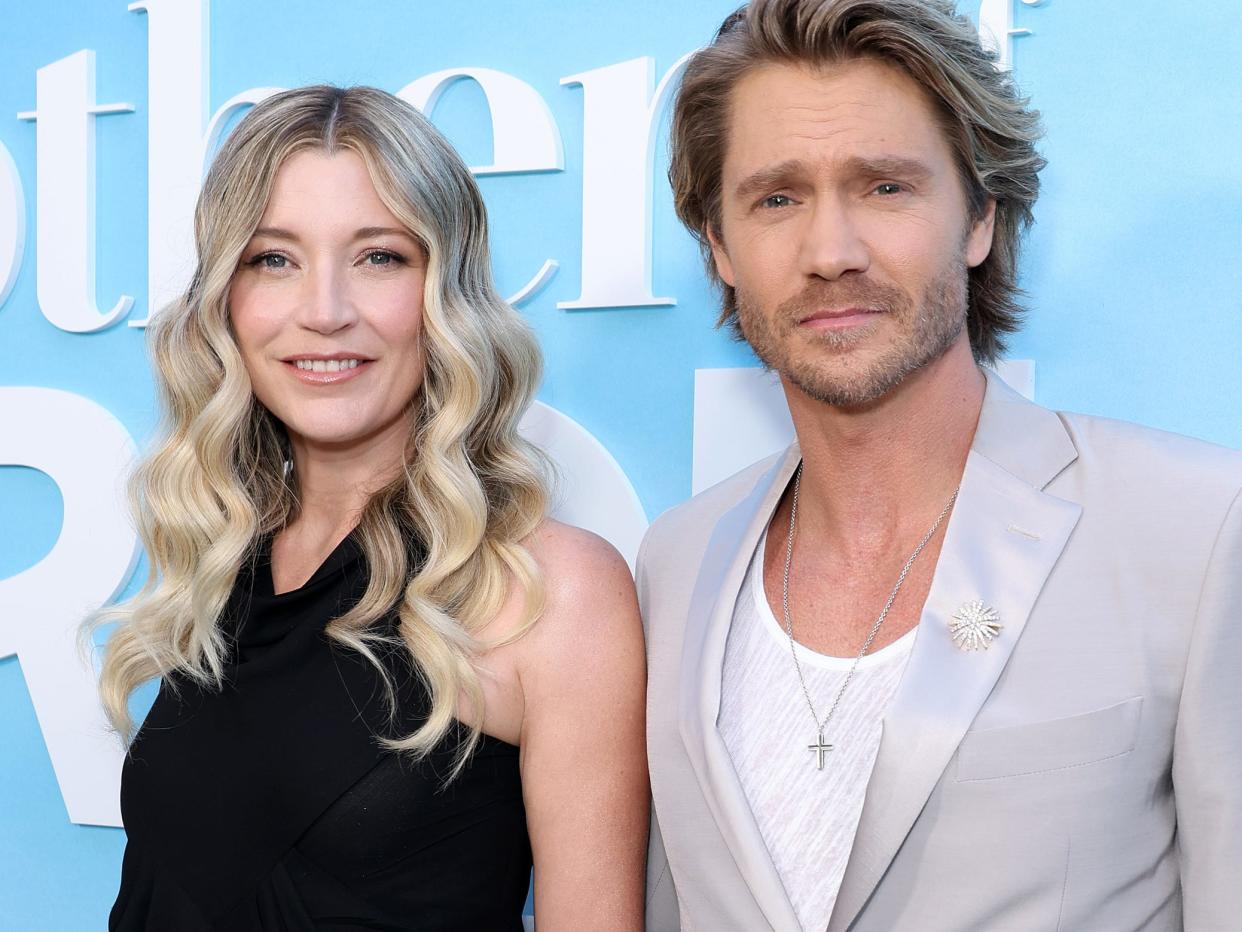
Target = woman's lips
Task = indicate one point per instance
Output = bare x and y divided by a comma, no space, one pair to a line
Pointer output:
326,371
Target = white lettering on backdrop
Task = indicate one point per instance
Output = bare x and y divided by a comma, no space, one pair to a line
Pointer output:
85,450
12,223
620,115
65,195
525,137
996,28
177,107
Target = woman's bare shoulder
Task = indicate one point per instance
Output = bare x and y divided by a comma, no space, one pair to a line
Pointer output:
576,563
589,600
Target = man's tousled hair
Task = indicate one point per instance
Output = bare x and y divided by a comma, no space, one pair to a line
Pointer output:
989,127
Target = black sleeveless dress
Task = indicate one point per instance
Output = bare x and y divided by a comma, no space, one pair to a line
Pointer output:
271,806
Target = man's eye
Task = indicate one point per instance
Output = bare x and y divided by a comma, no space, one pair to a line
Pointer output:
888,188
776,200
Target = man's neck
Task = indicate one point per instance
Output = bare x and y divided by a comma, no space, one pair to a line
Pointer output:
872,476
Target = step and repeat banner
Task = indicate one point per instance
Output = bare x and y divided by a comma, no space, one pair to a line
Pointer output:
109,111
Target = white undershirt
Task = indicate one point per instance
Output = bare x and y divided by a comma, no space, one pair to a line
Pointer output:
807,816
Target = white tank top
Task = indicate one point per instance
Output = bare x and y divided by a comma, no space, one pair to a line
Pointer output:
807,816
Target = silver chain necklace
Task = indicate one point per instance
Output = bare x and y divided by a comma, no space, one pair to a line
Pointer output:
819,747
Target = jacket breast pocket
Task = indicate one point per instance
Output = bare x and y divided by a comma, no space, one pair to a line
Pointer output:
1042,747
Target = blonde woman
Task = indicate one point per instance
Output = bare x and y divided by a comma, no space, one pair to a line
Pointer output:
388,681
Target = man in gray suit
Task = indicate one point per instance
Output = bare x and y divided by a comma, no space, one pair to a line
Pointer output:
952,661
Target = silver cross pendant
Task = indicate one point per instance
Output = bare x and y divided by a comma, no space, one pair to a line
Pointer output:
820,748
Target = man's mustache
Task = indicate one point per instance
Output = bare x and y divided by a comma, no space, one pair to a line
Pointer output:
833,296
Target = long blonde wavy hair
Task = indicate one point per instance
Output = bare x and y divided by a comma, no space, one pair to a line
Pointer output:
217,481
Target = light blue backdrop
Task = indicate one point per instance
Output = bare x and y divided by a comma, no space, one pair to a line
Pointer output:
1131,270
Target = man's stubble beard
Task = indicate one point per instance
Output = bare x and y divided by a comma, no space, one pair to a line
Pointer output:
832,376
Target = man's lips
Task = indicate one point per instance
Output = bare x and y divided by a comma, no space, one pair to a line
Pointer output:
839,318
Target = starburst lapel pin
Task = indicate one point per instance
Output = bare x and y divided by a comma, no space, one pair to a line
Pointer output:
975,626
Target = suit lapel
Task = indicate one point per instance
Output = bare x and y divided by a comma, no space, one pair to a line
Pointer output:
720,578
1002,541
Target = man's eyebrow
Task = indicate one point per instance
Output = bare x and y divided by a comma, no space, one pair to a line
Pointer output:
767,179
880,166
888,166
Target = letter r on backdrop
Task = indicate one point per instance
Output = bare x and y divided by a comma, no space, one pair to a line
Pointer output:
86,451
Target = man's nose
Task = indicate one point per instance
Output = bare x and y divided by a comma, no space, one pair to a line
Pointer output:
326,306
831,242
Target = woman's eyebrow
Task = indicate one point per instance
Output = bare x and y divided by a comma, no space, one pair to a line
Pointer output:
368,232
360,233
276,233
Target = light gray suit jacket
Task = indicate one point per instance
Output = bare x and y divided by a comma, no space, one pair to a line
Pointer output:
1083,773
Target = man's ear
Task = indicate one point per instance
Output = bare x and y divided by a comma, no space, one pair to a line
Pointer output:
724,268
979,240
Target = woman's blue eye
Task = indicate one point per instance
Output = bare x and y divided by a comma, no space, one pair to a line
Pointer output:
381,258
270,260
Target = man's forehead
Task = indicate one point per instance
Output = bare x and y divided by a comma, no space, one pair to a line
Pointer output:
856,110
875,75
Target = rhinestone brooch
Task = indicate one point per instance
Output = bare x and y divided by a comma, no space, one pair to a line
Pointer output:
975,626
